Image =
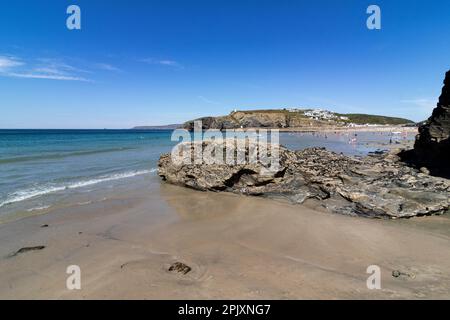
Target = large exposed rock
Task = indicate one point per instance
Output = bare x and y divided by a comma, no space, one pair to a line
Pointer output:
432,147
374,186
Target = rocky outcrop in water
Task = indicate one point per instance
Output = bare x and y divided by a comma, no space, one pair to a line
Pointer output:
282,118
378,185
432,147
220,123
238,120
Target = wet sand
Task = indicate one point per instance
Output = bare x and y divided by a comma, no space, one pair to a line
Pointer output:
341,129
238,248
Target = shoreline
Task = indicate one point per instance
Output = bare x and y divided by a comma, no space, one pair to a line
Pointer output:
125,239
342,129
238,248
25,200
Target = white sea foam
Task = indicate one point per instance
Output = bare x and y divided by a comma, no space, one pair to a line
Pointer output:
84,203
38,208
34,192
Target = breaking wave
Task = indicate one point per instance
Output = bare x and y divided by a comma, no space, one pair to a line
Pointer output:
38,191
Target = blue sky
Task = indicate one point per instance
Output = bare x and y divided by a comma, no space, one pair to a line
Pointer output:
160,62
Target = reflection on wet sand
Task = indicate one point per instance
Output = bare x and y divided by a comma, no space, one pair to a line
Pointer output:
235,247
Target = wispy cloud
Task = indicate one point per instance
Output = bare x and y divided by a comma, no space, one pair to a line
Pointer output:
424,103
60,64
163,62
49,69
46,76
169,63
107,67
9,62
204,99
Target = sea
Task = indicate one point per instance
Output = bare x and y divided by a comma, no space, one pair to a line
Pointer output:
44,169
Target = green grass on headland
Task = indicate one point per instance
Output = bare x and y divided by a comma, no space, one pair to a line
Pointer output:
359,118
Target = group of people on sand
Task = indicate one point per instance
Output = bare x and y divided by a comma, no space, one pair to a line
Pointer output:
353,136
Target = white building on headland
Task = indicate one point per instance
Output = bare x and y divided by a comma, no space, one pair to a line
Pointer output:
319,114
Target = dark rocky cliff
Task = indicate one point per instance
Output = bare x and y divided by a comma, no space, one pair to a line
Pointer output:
432,146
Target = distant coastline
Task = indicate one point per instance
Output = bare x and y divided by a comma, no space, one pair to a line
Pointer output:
295,120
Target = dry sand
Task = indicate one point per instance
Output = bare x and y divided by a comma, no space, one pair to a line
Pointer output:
238,248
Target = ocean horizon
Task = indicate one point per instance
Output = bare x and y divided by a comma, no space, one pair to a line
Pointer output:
312,160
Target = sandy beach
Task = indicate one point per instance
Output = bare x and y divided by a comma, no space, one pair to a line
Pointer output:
343,129
238,248
224,152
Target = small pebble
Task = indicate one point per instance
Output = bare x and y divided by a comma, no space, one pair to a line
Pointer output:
396,273
180,267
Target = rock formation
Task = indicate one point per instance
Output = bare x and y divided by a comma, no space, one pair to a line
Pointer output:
431,151
220,123
239,119
285,119
378,185
432,147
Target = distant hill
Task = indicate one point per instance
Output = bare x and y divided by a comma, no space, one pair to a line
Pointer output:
165,127
293,118
359,118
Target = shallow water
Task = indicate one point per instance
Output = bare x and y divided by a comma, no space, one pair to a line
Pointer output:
349,143
41,169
